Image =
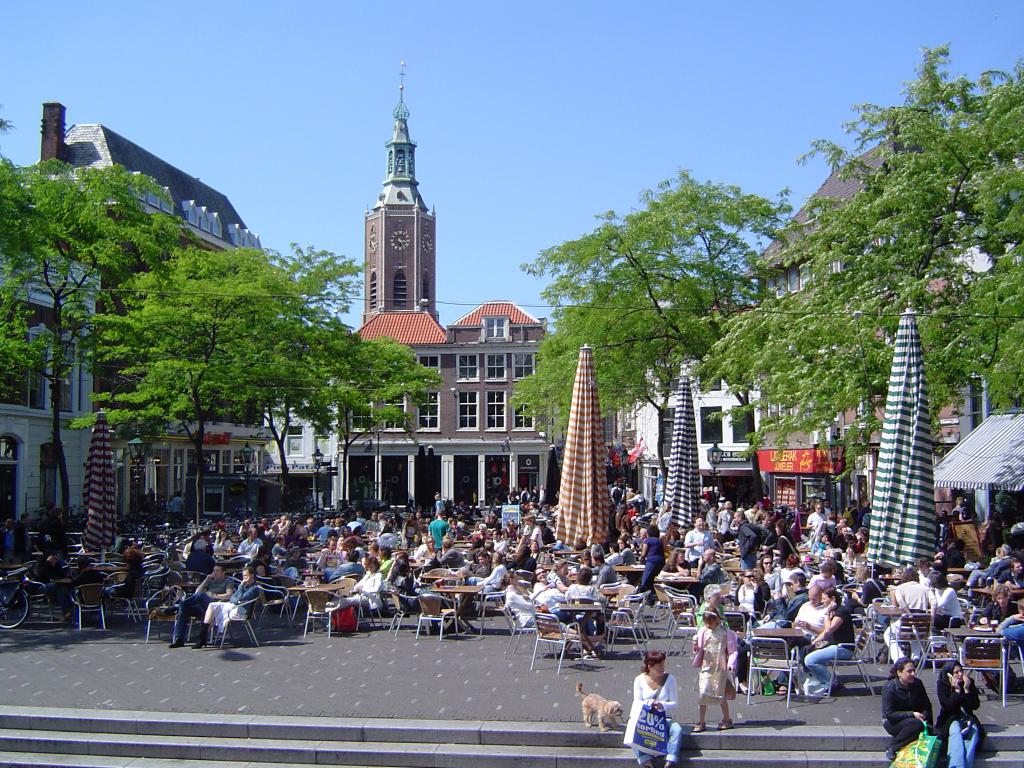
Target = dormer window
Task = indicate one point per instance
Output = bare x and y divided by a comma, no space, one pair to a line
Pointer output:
495,327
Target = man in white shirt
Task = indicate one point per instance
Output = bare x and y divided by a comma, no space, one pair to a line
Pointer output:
812,614
251,546
815,520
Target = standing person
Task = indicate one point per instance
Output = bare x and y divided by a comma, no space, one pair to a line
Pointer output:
905,706
696,541
654,686
438,527
715,654
653,556
957,725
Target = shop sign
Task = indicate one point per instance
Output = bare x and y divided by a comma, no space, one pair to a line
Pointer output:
217,438
794,461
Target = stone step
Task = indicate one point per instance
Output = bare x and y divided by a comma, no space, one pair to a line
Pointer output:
731,758
285,729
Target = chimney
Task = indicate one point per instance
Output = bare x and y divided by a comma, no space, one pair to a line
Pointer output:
51,145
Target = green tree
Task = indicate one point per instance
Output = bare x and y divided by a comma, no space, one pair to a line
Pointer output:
649,291
79,234
188,343
931,220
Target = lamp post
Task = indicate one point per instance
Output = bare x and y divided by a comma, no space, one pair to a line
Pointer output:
137,449
715,456
246,455
834,456
318,462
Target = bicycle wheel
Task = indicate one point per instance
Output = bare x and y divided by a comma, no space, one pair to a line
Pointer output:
13,608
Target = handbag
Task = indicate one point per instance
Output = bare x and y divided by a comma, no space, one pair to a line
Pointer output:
649,732
923,753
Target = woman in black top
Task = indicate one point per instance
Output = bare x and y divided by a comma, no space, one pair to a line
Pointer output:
905,706
957,725
835,640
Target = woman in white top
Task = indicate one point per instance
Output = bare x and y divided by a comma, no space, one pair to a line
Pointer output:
654,686
222,545
518,602
942,599
367,589
492,582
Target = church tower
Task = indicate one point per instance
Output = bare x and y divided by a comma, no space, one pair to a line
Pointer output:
399,233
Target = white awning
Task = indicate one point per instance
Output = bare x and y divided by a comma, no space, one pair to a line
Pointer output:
991,457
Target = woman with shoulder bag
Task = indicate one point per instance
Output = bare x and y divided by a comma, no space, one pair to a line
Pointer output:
957,725
715,655
655,687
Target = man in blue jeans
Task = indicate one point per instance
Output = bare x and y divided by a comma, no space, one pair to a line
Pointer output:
216,586
1013,627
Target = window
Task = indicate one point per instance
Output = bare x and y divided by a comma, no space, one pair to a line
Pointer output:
495,367
399,421
36,390
293,442
400,162
323,442
714,385
468,367
742,425
430,361
710,425
429,412
400,293
794,279
495,327
373,290
361,418
523,420
522,365
467,410
975,403
495,410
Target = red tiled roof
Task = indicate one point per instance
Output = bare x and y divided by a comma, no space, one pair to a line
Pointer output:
515,315
405,328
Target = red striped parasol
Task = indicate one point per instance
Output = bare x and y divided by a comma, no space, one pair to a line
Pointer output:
583,494
98,491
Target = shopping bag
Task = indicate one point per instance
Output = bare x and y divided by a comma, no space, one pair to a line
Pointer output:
649,733
923,753
345,619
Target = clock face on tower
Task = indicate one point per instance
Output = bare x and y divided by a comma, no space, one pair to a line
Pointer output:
399,239
428,244
372,240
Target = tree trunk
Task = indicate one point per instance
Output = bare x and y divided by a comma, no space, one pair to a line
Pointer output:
344,472
56,393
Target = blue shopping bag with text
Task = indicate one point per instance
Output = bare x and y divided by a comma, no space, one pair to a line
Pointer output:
650,732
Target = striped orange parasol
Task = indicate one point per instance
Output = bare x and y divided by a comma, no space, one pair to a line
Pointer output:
583,494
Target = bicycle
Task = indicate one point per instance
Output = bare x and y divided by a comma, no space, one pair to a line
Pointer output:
14,602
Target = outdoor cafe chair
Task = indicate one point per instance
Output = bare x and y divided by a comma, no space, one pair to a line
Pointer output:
433,610
273,596
626,620
244,617
398,612
157,605
516,630
737,622
988,656
131,602
858,647
772,655
88,598
684,624
551,632
495,600
320,606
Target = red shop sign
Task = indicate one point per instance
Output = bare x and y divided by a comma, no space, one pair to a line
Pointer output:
809,461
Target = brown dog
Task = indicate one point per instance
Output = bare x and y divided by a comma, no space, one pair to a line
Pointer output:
597,710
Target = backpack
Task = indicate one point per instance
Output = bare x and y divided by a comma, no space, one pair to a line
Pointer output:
345,619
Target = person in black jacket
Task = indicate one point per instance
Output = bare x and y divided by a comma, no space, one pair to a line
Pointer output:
905,706
957,725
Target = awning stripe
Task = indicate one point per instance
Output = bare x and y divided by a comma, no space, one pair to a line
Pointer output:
990,457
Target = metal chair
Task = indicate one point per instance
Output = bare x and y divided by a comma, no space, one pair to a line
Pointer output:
433,610
156,604
987,655
684,624
398,613
131,601
858,647
774,656
243,615
88,597
495,600
737,622
320,604
274,596
515,630
550,631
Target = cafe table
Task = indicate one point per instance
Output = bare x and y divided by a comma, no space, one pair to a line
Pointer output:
300,590
459,592
784,633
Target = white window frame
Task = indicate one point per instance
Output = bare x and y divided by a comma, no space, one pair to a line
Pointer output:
429,418
497,402
523,365
430,361
469,410
501,365
493,324
461,367
294,441
522,420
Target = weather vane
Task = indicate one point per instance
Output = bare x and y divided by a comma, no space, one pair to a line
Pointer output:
401,77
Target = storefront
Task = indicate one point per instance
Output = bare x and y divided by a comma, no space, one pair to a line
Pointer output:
795,476
496,477
527,471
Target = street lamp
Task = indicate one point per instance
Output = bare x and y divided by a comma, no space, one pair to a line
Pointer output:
715,456
246,455
318,462
834,456
137,449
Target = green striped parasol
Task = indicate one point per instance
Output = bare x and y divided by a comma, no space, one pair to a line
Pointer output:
903,502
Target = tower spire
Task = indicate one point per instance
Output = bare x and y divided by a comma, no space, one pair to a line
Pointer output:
400,186
401,112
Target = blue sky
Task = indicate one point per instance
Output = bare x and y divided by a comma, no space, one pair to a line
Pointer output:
531,117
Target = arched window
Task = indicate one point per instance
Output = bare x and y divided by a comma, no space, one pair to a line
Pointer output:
373,290
412,163
400,162
399,292
391,161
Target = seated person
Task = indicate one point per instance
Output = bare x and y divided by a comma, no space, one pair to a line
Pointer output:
252,544
591,624
709,571
605,573
367,591
450,557
1014,575
223,545
199,559
216,586
133,558
518,601
49,570
495,576
218,613
945,607
480,568
712,602
1000,609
